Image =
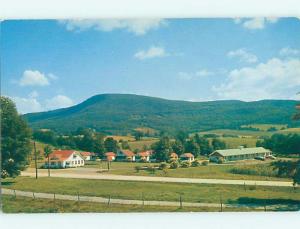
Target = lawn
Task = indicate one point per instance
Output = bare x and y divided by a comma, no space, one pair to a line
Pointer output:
209,193
29,205
232,142
213,171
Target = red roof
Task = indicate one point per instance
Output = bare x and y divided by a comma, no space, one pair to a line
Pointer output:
144,154
61,155
85,154
174,155
128,153
110,154
187,155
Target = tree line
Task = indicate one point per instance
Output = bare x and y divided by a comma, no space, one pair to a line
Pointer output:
184,143
81,139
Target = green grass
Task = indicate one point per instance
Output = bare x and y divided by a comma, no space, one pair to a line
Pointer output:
139,145
29,205
209,193
265,127
210,171
232,142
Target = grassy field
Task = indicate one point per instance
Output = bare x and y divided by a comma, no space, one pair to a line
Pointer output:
142,143
232,142
265,127
209,193
29,205
210,171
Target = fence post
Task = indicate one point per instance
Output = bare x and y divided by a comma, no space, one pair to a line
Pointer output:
245,186
180,200
108,203
54,196
143,199
15,194
33,195
221,203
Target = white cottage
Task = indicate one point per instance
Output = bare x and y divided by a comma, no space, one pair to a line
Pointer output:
64,159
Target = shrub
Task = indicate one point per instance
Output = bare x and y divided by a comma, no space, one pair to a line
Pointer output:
220,161
151,169
174,165
204,163
185,164
163,166
196,163
137,168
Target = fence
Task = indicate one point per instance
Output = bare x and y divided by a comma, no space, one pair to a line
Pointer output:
143,202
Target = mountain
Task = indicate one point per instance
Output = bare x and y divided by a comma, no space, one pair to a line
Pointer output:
122,113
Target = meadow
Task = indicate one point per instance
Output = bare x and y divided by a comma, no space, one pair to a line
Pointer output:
214,171
206,193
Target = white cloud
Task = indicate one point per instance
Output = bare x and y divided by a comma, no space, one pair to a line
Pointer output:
136,26
52,76
193,75
27,105
32,103
33,94
33,78
152,52
255,23
287,51
243,55
58,101
204,72
274,79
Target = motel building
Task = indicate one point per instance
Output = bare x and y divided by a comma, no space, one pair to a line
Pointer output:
64,159
239,154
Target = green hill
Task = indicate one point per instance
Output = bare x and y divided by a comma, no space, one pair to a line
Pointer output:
122,113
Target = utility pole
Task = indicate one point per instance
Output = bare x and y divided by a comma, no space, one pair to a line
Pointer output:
35,161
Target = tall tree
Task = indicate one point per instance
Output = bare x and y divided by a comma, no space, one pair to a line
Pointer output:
204,144
47,152
111,145
192,147
15,140
218,144
162,149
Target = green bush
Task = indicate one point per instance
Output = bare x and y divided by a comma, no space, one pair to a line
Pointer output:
196,163
137,168
185,164
220,161
163,166
204,163
174,165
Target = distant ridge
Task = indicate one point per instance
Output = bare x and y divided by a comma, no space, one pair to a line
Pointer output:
122,113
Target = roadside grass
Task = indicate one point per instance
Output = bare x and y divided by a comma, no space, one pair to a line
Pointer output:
29,205
160,191
212,171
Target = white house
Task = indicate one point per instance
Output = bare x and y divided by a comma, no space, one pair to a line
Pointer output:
64,159
239,154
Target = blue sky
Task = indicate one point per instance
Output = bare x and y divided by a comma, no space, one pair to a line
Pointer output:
49,64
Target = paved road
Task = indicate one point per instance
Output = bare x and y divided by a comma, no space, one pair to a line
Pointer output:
89,174
118,201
